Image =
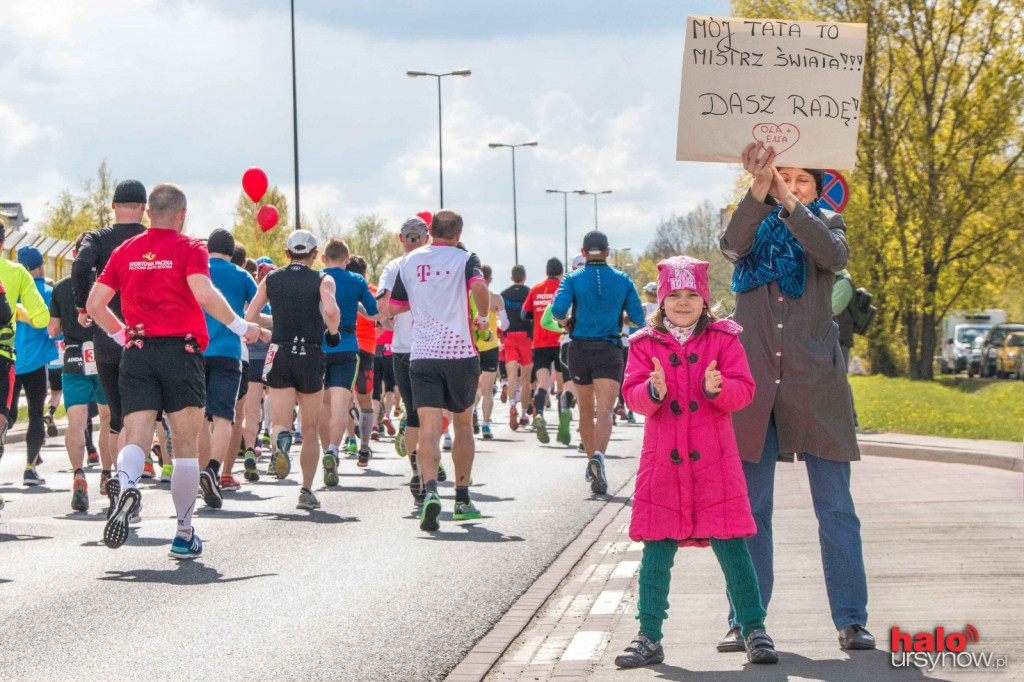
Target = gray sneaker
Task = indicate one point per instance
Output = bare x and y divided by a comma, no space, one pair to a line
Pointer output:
307,500
33,478
640,652
595,474
465,510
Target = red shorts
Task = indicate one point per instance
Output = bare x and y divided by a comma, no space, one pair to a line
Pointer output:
519,348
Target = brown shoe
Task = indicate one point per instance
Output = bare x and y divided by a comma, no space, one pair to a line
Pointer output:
513,418
856,637
732,642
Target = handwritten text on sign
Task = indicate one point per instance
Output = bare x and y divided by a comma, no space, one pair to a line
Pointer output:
792,85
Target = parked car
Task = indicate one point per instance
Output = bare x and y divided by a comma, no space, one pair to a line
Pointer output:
994,339
958,331
974,358
1008,356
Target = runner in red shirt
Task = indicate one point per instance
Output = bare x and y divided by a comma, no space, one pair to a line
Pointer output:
164,280
545,343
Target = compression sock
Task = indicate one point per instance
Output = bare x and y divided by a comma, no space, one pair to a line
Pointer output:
184,488
430,487
51,410
130,463
89,445
462,493
540,401
365,427
213,466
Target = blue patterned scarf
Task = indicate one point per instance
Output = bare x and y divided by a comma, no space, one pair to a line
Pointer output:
776,255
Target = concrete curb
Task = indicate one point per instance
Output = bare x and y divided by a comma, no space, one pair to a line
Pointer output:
482,657
996,460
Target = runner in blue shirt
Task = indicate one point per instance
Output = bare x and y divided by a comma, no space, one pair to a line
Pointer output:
599,295
223,361
342,361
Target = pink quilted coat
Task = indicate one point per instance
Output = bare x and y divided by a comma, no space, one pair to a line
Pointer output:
690,486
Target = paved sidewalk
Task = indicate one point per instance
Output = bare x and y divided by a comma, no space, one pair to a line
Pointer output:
943,545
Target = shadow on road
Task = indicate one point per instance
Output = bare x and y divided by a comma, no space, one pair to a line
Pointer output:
582,456
33,489
372,473
312,517
186,573
18,537
357,489
484,497
133,541
246,496
474,533
861,666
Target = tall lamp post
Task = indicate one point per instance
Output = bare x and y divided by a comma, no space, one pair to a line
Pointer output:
515,223
584,192
295,122
565,208
440,155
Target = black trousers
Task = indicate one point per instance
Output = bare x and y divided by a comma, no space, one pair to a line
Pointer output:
34,384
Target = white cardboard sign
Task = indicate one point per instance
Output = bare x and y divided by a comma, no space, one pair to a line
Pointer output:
793,85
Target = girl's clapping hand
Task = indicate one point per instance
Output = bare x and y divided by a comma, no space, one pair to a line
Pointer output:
712,379
658,379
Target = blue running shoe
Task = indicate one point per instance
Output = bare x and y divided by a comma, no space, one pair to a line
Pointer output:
186,549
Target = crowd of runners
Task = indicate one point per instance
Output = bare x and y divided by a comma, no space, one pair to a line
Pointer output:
176,358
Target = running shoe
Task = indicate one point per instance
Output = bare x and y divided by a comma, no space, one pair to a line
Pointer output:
165,473
112,490
513,418
529,409
51,426
596,476
442,475
104,479
249,470
230,483
564,436
280,461
93,457
486,432
265,441
157,450
375,433
620,411
400,444
364,457
504,393
524,421
115,533
630,417
32,477
431,510
447,445
465,510
352,446
416,489
297,438
211,489
136,517
330,469
307,500
148,471
388,426
190,548
80,495
541,427
581,447
476,423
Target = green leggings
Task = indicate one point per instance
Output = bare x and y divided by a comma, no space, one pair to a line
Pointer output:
740,584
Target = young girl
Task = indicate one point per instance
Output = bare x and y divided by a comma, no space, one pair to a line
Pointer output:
686,373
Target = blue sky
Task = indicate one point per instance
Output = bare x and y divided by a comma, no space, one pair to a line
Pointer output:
197,91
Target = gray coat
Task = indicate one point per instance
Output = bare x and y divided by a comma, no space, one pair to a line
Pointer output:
792,344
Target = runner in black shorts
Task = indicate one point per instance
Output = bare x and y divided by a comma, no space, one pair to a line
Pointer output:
294,369
162,366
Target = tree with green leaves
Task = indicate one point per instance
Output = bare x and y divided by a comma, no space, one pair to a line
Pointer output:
72,214
369,237
934,218
248,232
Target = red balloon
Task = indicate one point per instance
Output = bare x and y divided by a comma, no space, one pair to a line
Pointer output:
254,182
427,216
267,217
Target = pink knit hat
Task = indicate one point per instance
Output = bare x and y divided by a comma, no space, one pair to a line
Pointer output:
683,272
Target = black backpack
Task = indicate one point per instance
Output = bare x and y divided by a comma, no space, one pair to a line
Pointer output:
862,311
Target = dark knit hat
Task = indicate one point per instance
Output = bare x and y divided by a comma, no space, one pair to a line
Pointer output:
130,192
221,242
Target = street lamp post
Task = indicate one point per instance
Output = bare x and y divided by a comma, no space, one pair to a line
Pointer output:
584,192
295,122
515,220
440,154
565,207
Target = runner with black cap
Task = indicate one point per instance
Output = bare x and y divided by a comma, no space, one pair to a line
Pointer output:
294,369
598,295
129,205
434,283
164,277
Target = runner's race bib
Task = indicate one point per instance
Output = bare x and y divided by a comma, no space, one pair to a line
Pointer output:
89,359
268,364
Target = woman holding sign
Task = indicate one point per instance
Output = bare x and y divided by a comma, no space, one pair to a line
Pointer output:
786,250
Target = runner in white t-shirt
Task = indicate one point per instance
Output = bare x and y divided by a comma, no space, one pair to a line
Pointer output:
434,283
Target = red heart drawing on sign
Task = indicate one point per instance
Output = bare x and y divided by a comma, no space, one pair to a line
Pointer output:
782,136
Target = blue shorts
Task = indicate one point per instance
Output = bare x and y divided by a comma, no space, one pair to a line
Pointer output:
223,377
340,369
80,389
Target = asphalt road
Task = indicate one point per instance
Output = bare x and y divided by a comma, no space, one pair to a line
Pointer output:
354,591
